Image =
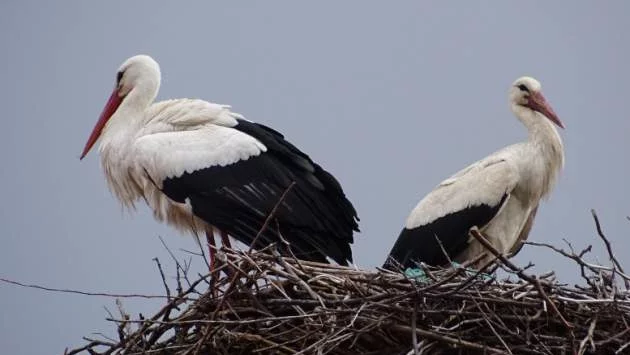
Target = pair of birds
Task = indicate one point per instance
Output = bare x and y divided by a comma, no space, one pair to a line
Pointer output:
207,170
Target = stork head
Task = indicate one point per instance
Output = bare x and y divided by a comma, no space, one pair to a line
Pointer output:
137,84
525,93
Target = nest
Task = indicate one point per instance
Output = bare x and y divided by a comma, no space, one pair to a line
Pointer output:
269,304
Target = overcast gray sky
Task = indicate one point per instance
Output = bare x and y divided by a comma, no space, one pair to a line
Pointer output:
391,97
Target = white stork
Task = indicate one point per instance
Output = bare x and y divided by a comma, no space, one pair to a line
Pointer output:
202,167
498,194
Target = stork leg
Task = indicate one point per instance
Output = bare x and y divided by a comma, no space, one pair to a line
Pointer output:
211,248
213,262
225,240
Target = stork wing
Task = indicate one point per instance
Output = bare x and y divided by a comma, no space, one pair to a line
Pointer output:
167,155
233,180
315,174
471,197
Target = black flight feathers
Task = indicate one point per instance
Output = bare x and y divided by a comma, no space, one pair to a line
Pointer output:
315,217
419,244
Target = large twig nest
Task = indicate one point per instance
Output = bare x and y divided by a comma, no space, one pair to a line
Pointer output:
275,305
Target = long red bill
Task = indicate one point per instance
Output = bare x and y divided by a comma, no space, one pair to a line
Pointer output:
111,107
537,102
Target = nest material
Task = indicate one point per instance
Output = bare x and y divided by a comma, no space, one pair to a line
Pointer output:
274,305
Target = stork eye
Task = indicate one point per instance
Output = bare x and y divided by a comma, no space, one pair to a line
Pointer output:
522,87
119,76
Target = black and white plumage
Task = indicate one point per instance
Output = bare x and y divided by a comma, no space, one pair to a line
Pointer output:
498,194
202,167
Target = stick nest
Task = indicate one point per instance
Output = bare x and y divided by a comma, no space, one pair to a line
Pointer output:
274,305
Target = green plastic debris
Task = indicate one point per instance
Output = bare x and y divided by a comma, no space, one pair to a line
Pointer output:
416,274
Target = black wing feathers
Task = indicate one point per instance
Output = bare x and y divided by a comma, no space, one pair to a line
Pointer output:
315,217
420,245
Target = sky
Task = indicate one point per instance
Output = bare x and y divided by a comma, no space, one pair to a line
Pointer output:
390,97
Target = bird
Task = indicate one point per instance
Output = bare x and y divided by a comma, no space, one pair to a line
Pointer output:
498,195
205,169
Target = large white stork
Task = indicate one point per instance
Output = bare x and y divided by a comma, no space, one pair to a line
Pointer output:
498,194
202,167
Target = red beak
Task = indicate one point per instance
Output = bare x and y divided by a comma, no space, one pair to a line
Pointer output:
111,107
537,102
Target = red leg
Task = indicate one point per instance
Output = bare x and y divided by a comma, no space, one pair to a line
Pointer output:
211,249
225,240
213,262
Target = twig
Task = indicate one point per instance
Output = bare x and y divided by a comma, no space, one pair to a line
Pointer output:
485,318
447,339
270,215
168,290
534,281
177,264
85,293
414,334
609,248
588,338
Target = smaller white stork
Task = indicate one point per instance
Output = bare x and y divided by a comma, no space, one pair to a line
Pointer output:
498,194
203,168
